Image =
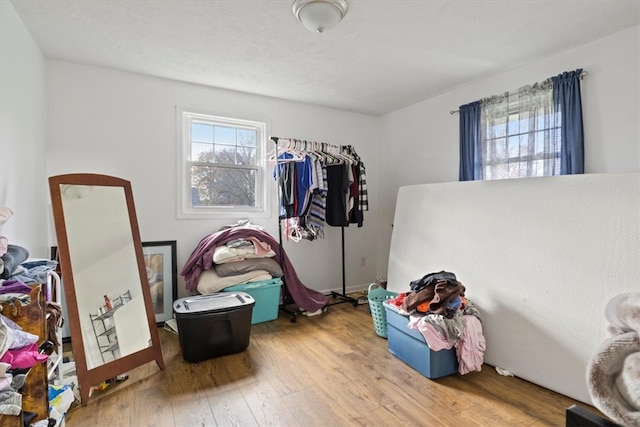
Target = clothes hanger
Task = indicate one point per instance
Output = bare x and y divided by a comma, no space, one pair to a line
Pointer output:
292,149
288,148
329,158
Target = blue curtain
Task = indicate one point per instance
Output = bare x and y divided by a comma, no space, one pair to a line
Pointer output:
567,101
470,134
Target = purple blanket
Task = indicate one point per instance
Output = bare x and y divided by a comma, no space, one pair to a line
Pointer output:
201,259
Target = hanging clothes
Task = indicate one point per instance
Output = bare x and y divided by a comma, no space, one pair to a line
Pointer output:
320,184
356,215
337,194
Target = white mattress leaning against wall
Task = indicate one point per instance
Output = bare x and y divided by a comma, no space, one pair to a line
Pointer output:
540,259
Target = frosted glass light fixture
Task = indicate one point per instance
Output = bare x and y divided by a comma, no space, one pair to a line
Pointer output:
320,15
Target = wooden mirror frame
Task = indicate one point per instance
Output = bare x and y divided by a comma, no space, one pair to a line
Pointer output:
92,377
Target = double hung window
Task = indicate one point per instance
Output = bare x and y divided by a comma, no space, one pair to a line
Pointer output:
536,131
520,134
221,167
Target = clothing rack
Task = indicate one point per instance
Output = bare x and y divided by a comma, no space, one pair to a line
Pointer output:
286,300
286,296
343,296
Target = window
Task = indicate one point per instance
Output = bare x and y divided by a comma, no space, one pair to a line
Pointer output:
537,131
520,134
221,167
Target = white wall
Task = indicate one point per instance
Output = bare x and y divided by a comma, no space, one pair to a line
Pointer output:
23,185
124,124
420,143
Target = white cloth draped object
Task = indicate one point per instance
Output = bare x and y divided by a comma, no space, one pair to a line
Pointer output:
613,374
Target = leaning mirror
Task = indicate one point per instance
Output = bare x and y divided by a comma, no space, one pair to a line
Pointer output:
111,316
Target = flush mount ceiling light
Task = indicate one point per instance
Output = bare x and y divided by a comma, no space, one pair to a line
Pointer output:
75,191
320,15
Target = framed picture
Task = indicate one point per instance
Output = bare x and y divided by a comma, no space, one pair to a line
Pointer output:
160,260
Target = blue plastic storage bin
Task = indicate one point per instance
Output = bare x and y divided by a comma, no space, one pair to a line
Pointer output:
267,296
410,347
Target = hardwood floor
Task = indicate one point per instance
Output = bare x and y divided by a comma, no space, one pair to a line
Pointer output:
328,370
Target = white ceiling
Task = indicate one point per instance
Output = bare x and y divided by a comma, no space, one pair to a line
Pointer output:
385,55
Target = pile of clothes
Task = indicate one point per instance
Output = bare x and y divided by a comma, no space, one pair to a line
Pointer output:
239,261
438,309
17,272
240,253
19,352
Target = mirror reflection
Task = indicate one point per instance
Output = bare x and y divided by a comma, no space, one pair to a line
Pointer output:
105,272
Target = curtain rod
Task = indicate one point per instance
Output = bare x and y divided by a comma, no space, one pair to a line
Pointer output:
582,75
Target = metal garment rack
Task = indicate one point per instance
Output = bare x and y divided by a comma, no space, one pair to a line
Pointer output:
286,298
343,296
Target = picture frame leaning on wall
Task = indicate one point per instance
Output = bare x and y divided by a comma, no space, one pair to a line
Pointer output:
160,259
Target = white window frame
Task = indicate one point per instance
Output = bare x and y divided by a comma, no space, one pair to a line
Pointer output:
184,119
512,114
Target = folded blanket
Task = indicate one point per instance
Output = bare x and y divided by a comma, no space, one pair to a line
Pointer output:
613,374
209,282
223,254
246,266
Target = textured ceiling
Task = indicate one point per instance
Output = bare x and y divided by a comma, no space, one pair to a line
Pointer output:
385,55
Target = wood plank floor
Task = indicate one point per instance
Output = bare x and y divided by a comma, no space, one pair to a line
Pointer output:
328,370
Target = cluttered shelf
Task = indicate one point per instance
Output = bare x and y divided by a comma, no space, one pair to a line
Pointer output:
31,399
31,353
